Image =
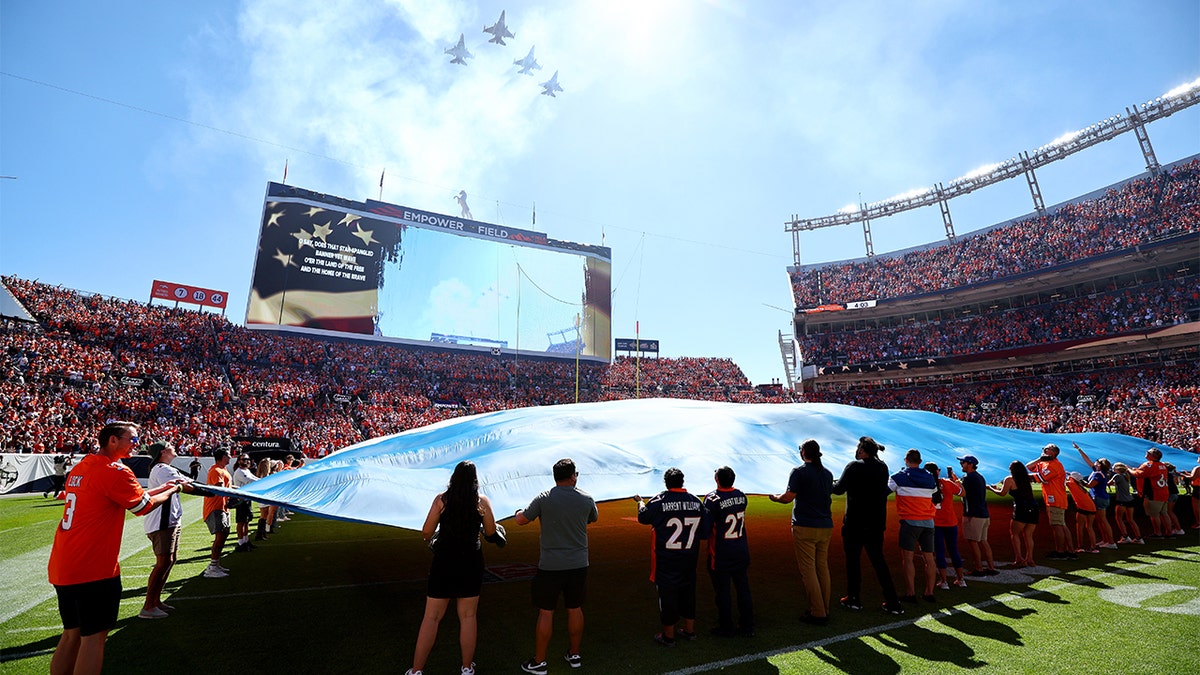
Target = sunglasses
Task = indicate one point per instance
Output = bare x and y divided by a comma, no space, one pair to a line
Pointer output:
134,439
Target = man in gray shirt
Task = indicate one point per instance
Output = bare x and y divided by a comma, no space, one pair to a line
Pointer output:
565,512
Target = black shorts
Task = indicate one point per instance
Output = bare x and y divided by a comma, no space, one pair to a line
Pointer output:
549,584
1026,514
912,536
676,602
90,607
242,512
456,574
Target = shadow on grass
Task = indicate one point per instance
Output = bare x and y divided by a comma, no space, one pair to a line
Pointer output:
1132,574
762,667
969,624
29,650
1048,598
1183,556
856,656
133,592
1001,609
41,648
932,646
1082,581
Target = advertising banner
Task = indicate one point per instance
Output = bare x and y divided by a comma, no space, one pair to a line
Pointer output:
19,473
136,382
262,443
167,290
632,345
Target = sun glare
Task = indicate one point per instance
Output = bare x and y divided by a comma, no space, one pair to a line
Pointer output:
641,30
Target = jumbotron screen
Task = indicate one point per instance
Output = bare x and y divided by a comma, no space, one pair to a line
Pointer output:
400,274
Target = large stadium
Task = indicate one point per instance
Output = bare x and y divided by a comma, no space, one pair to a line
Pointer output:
385,340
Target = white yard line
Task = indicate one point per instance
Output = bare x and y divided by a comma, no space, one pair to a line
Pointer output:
23,585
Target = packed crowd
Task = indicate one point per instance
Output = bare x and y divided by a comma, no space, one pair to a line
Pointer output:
197,380
1159,402
62,378
1139,308
1138,212
687,377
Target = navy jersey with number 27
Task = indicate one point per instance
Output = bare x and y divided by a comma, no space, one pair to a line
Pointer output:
725,527
676,517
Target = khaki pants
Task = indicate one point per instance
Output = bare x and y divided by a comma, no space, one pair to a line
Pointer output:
812,557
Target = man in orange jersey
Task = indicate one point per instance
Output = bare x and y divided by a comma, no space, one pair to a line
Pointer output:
1050,473
84,567
1195,474
1152,483
216,513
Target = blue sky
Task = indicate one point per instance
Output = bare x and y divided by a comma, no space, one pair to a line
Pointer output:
142,135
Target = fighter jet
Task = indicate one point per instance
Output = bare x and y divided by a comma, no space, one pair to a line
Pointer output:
499,31
528,64
459,52
551,85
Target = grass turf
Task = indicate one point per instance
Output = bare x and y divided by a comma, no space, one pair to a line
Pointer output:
326,596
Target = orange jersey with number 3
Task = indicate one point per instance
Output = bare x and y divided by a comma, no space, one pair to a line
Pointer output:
1053,478
87,543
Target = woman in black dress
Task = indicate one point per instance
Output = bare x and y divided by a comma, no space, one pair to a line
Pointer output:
456,518
1025,513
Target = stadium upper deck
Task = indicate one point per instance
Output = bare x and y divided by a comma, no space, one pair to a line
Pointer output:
1141,211
1110,273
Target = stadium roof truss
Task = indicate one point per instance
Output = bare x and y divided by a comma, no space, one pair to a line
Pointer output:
1135,119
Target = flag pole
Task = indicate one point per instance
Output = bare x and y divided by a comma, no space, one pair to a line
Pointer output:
577,336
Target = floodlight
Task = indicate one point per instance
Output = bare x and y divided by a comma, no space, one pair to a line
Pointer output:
981,171
1065,138
911,194
1182,89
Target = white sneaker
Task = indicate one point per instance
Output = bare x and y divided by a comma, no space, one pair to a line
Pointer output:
212,572
961,583
944,586
1109,545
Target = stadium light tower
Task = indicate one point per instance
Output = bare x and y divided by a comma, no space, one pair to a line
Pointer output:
1135,119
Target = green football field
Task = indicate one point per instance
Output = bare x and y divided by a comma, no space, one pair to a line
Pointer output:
324,596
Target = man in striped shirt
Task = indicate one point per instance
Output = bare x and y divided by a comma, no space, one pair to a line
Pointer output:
914,488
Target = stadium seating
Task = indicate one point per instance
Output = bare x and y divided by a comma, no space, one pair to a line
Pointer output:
1114,311
1141,211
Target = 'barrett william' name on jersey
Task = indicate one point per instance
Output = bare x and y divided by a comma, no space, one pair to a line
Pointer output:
728,502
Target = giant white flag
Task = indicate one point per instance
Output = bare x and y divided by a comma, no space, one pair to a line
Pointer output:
622,448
